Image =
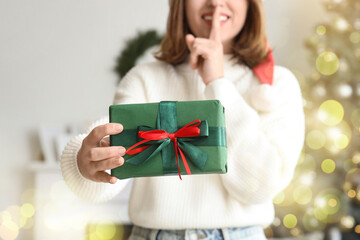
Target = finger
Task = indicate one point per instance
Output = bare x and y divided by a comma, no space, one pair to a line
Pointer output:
101,153
190,39
101,131
215,25
105,177
105,142
193,60
108,164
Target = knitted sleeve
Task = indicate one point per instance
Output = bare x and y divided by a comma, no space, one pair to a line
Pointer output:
128,91
263,148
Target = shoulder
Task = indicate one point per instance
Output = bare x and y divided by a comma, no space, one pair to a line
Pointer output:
285,89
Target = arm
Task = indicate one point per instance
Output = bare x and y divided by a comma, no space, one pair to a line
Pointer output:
263,149
90,190
98,189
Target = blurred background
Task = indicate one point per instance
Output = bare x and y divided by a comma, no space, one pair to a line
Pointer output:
57,74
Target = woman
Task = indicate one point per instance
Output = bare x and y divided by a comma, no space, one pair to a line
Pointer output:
209,52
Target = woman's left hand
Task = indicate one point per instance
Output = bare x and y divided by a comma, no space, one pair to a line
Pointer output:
206,55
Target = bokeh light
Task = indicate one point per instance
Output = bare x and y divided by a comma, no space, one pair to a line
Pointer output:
295,232
311,223
356,158
28,196
357,229
341,24
307,178
329,205
342,141
276,222
315,139
355,37
347,222
355,118
278,199
105,231
338,138
320,215
351,193
331,112
290,221
327,63
328,166
302,195
27,210
9,230
15,214
321,30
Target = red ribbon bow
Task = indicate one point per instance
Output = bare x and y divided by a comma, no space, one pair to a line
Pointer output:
189,130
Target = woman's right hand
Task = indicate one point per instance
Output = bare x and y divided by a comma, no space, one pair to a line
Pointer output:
96,155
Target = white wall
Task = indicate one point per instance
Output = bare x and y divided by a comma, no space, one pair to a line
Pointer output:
56,60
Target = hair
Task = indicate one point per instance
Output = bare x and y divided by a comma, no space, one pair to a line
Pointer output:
250,45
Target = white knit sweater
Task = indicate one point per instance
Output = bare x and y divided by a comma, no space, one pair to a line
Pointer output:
263,149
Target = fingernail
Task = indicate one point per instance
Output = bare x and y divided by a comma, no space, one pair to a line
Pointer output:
113,180
118,127
122,150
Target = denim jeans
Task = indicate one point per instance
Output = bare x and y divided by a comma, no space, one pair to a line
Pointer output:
240,233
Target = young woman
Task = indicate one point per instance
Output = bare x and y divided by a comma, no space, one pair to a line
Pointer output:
212,50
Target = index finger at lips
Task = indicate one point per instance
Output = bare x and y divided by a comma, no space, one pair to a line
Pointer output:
101,131
215,25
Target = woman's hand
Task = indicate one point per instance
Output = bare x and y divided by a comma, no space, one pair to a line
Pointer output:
206,55
95,155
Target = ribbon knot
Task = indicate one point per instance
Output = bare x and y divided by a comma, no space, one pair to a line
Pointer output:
189,130
172,136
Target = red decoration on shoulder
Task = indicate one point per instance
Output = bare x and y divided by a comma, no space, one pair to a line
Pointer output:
265,70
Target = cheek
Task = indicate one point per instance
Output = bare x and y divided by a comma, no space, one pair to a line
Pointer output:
190,16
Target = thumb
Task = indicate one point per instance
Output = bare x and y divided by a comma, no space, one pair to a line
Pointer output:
189,40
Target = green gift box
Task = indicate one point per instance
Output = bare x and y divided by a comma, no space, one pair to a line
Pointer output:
168,138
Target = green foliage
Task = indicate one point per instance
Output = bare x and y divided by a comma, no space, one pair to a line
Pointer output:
134,49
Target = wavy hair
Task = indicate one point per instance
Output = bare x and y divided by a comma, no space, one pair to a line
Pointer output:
250,45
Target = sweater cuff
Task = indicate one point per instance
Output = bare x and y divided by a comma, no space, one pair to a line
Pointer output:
84,188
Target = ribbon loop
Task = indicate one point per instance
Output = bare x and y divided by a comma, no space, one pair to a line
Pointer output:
188,131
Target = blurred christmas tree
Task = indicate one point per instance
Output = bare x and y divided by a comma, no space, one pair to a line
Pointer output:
325,193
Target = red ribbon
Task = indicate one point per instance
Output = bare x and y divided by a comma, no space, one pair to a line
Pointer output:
189,130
